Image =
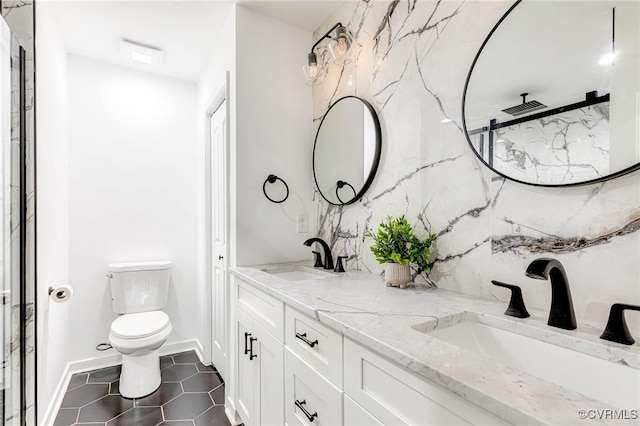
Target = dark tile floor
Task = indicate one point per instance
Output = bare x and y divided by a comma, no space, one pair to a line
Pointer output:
191,394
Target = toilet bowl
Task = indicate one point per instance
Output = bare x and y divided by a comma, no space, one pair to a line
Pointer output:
138,291
138,337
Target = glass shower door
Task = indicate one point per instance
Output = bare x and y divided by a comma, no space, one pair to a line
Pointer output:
12,173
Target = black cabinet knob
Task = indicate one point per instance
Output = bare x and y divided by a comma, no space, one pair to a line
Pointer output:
303,337
300,405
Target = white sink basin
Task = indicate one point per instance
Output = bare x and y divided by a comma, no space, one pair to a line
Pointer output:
612,383
297,273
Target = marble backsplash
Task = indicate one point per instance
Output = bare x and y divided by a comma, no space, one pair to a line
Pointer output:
411,61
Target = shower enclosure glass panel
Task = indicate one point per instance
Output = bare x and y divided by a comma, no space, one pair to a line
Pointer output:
12,174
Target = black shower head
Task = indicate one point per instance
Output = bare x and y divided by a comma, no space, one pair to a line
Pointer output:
524,107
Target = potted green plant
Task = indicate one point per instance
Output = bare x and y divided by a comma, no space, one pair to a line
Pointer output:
397,248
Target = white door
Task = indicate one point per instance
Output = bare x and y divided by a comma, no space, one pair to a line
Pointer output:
219,203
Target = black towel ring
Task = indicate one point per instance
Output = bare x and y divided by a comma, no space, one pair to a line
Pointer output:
342,183
273,179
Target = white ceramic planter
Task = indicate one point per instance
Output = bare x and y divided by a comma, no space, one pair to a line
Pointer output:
397,275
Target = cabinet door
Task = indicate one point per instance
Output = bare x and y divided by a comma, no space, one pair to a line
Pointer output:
395,396
355,415
271,372
246,377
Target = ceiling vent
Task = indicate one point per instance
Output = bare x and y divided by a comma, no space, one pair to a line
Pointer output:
133,52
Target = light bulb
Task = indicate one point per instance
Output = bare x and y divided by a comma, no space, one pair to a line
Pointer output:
313,70
342,46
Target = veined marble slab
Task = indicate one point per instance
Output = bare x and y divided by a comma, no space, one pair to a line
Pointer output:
411,60
392,322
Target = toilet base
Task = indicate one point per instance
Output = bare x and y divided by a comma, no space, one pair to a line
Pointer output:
140,375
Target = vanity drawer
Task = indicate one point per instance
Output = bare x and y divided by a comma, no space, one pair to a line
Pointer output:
318,345
394,395
266,310
305,389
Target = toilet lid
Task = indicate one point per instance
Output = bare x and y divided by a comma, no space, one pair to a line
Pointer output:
143,324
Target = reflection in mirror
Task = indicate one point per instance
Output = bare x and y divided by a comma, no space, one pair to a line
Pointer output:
552,96
347,150
341,184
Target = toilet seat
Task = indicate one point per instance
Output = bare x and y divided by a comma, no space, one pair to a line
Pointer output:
140,325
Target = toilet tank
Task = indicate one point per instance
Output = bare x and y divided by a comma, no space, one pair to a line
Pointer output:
139,286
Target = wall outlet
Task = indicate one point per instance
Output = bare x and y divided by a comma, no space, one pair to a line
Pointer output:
302,224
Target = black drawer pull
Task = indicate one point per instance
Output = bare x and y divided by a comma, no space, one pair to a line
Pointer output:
246,345
310,416
251,355
303,337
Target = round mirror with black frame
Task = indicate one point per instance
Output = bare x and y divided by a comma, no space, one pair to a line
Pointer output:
551,96
347,149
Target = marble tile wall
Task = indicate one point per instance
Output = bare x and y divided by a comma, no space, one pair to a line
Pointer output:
19,15
411,63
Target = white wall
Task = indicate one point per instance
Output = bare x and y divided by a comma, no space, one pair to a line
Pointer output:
53,206
269,115
274,136
212,80
132,191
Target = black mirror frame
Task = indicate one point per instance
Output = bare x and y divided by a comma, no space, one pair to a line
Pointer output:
617,174
376,157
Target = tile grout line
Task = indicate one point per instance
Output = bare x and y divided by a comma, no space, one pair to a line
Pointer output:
121,414
206,370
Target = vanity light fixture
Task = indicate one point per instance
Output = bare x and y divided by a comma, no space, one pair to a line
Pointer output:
139,53
339,47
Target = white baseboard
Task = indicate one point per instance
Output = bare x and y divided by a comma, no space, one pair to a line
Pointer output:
199,351
52,408
101,362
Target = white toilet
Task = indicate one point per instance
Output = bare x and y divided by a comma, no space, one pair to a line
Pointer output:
138,291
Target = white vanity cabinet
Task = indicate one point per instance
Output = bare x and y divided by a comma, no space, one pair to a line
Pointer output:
392,395
259,359
291,369
355,415
313,371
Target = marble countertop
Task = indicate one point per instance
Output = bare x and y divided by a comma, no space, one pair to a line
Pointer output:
393,322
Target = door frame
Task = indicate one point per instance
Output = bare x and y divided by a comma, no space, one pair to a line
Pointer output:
220,97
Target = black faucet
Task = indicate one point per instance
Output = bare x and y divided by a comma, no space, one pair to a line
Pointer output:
328,259
561,314
516,303
617,330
